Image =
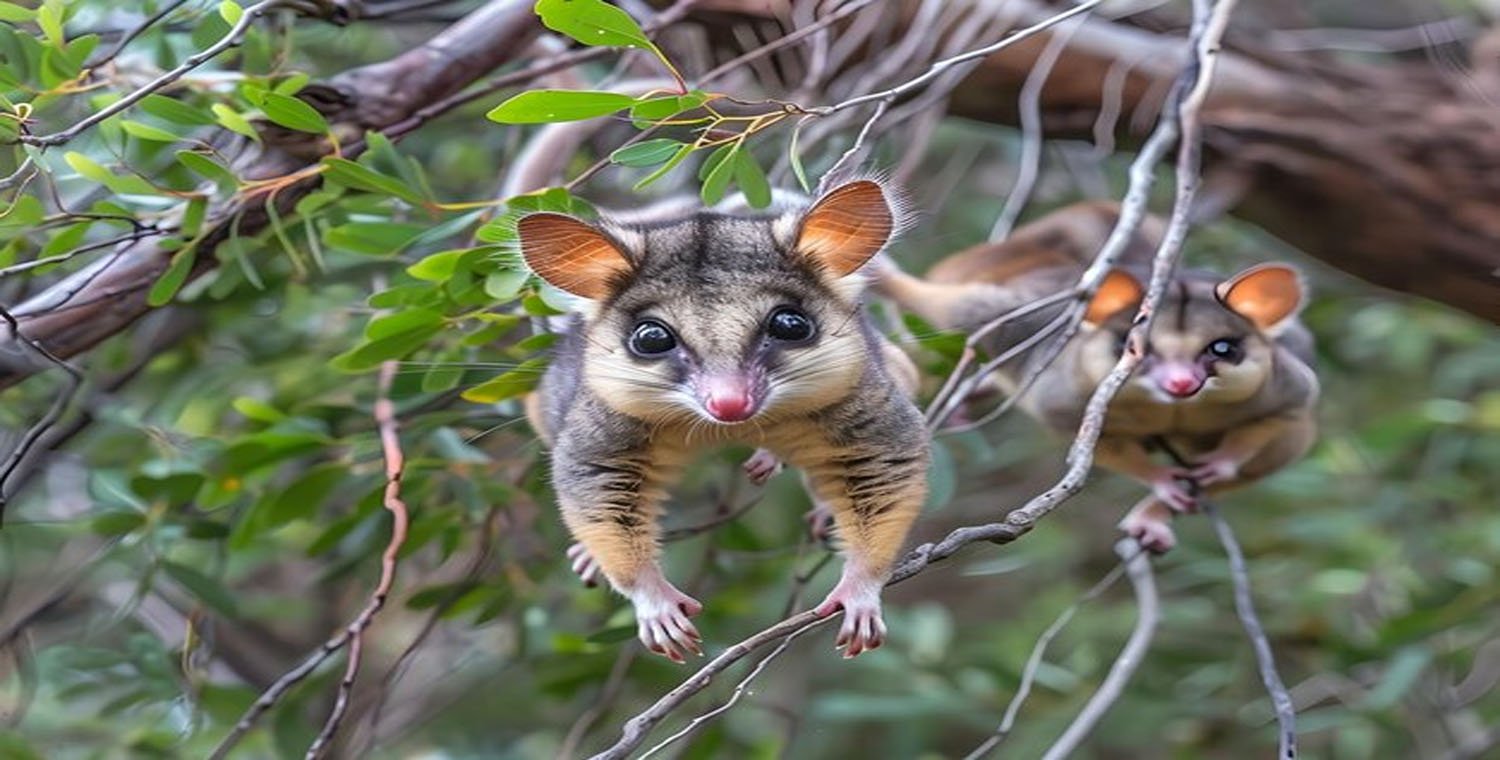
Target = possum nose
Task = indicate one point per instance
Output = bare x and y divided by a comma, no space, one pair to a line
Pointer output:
1180,382
728,400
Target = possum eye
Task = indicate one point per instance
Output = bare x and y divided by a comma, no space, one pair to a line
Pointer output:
1227,349
789,325
651,338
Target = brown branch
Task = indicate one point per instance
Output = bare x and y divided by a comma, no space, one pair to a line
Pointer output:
1138,569
1038,651
395,465
352,634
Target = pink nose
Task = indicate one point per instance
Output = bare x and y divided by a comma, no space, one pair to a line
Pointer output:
728,399
1181,386
730,408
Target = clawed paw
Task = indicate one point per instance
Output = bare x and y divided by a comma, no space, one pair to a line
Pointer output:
863,628
583,565
762,466
1154,535
662,613
1171,492
1216,470
819,523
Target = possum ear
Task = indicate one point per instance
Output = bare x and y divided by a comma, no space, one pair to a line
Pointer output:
846,227
1119,291
572,255
1266,295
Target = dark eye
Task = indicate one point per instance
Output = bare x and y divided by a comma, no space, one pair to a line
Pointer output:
1227,349
651,338
789,325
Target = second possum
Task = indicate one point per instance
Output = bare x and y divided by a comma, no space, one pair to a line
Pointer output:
1226,383
703,327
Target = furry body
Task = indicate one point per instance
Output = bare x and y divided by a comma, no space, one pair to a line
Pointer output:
1234,418
717,286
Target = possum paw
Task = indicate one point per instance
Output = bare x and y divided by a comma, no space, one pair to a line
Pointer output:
859,598
762,466
819,522
1153,534
661,613
584,565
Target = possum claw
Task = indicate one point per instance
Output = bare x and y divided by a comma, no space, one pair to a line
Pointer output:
662,613
863,628
583,565
762,466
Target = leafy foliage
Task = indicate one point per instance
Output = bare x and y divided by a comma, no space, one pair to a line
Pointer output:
217,511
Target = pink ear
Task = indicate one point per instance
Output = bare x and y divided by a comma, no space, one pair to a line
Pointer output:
571,255
1266,294
1119,291
846,227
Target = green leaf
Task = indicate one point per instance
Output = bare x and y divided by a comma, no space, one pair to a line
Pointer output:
504,285
369,355
208,590
653,109
646,152
175,111
50,18
716,172
546,106
373,238
231,120
171,281
257,410
15,14
231,12
509,385
123,184
116,522
398,322
292,113
437,267
361,177
795,157
679,157
593,22
752,180
208,168
147,132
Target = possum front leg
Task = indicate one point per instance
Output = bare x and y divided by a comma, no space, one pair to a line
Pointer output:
611,502
871,473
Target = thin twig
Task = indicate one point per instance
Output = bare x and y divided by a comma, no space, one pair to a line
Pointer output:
780,42
1031,131
938,68
129,36
386,423
1138,569
54,412
1034,661
607,695
740,689
229,40
395,464
1244,604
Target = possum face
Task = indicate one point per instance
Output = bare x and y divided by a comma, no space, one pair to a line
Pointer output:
719,318
1210,342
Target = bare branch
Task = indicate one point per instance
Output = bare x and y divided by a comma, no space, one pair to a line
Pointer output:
395,465
1034,661
1281,701
1031,133
1138,568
